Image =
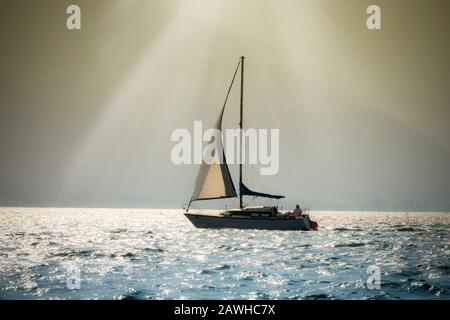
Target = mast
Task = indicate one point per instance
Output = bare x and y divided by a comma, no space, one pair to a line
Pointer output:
241,127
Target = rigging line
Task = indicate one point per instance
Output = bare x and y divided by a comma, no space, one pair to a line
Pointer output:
231,85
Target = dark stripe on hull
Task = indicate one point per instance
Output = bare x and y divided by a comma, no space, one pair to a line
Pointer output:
219,222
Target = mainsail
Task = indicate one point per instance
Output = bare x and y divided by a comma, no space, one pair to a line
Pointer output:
245,191
214,179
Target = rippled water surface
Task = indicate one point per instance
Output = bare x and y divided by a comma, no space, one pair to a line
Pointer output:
158,254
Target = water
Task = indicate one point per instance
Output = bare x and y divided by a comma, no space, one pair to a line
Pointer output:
157,254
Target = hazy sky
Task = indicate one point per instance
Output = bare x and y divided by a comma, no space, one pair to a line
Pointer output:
364,116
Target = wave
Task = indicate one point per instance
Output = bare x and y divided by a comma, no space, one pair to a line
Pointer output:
118,231
303,246
206,271
405,229
223,267
73,253
320,296
129,255
154,250
443,267
133,296
422,285
350,245
228,247
391,284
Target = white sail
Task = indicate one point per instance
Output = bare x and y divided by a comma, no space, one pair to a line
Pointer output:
214,179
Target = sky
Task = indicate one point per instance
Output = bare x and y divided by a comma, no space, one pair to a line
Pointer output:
364,116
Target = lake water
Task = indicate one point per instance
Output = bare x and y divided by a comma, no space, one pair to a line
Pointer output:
158,254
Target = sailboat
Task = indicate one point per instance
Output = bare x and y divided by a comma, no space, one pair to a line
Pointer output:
214,182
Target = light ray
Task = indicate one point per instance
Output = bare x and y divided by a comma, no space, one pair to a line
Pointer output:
160,76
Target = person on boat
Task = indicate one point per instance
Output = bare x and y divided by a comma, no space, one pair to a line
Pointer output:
274,211
298,211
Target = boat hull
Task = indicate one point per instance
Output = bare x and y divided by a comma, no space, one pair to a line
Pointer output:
224,222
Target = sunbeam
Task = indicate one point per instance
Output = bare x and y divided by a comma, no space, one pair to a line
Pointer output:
157,82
